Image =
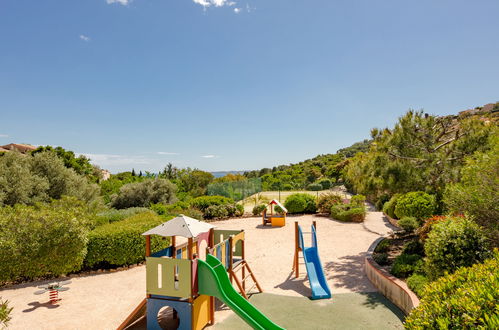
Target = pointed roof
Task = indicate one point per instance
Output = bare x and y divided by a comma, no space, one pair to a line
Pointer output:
276,202
180,226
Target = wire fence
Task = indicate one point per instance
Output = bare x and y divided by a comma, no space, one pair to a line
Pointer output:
237,190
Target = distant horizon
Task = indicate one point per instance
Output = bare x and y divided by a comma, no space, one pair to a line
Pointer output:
232,84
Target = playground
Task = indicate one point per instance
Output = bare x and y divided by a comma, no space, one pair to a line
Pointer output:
105,300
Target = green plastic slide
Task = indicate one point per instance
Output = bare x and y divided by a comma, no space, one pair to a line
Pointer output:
214,281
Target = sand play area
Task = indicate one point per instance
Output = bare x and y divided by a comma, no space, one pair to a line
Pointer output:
104,300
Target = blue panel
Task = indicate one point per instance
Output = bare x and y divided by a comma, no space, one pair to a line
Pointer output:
163,253
227,254
219,253
184,312
179,254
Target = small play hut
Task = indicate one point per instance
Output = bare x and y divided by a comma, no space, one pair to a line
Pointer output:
275,219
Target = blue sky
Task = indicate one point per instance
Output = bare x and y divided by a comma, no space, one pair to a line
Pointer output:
234,85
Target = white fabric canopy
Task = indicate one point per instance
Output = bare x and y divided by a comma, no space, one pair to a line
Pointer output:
276,202
180,226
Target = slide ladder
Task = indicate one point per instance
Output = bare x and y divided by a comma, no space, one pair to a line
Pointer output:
316,277
213,280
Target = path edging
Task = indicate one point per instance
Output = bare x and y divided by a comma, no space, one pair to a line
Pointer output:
391,287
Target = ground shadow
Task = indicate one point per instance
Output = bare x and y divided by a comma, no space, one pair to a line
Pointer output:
35,305
374,299
348,273
295,284
260,226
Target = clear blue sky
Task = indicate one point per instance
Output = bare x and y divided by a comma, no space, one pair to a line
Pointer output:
223,85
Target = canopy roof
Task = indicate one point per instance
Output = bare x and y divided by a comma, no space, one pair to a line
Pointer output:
276,202
180,226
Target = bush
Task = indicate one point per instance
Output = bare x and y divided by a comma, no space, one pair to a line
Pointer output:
121,243
416,204
144,194
203,202
258,209
326,201
42,240
171,209
113,215
466,299
358,200
381,258
5,311
345,212
325,183
409,224
383,246
389,207
417,283
414,247
453,243
300,203
428,224
405,264
381,201
193,213
216,212
240,210
314,187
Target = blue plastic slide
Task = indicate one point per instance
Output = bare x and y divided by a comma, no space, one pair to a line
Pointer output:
318,282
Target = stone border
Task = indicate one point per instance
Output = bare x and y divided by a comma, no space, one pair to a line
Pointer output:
391,287
392,221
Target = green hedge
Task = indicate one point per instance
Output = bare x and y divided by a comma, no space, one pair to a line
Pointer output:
300,203
417,283
389,207
406,264
42,240
345,212
409,224
326,201
416,204
121,243
258,209
114,215
203,202
466,299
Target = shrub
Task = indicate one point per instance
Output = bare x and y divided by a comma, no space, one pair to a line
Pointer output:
203,202
453,243
414,247
325,183
121,243
216,212
405,264
314,187
193,213
409,224
258,209
300,203
466,299
240,210
416,204
381,201
231,209
326,201
358,200
383,246
345,212
42,240
381,258
5,311
428,224
144,194
113,215
389,207
417,283
171,209
278,209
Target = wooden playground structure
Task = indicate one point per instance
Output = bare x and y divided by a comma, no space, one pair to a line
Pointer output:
172,275
277,219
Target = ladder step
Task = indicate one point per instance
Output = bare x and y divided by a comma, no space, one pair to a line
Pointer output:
247,276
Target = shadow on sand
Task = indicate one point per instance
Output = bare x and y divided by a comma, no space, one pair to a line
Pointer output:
35,305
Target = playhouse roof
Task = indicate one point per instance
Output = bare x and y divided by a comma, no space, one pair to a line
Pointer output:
180,226
276,202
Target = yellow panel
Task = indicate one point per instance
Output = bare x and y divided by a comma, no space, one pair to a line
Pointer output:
222,247
160,277
201,312
184,253
278,222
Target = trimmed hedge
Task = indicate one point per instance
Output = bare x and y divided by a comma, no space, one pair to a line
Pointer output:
121,243
389,207
417,283
42,240
416,204
326,201
114,215
453,243
466,299
345,212
203,202
409,224
300,203
406,264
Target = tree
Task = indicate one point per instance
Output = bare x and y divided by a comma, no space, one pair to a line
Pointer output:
145,193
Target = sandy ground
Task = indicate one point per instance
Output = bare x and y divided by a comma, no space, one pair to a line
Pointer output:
102,301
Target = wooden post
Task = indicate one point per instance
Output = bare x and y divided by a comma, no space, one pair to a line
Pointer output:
189,248
244,260
148,245
297,249
174,252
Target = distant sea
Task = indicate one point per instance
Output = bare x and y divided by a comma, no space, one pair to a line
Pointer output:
219,174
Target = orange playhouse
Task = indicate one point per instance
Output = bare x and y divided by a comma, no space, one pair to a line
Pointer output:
277,219
183,280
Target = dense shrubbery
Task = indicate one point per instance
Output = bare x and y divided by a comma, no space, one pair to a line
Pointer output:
258,209
325,183
383,246
121,243
113,215
203,202
326,201
417,283
416,204
145,193
354,211
409,224
5,311
217,207
300,203
358,200
381,258
466,299
453,243
27,180
406,264
42,240
314,187
389,207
